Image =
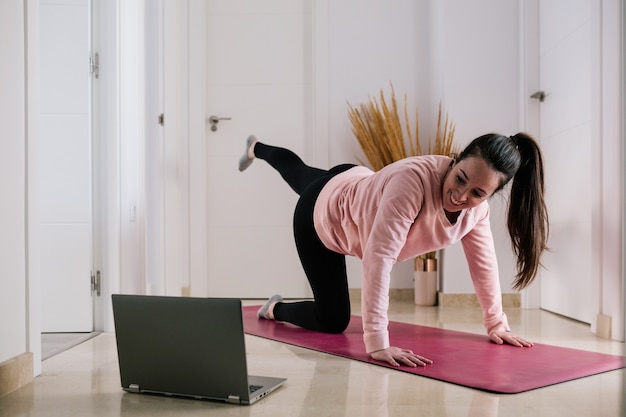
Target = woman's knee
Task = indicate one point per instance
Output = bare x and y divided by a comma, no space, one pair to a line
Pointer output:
336,323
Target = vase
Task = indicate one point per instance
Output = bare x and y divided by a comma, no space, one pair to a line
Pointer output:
425,282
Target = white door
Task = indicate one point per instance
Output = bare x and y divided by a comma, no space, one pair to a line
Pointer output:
65,167
259,75
567,139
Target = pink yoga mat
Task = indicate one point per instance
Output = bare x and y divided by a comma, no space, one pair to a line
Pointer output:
460,358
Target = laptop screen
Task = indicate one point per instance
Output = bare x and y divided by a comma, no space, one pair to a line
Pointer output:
181,346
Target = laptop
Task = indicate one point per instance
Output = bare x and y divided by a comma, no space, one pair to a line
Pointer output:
189,347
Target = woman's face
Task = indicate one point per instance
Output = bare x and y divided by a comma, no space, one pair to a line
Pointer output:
468,183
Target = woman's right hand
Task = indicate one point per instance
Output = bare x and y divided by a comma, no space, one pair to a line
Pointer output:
396,356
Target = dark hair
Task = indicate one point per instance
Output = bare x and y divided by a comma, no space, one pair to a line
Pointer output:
519,158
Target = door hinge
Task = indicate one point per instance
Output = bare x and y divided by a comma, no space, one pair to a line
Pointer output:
161,119
94,65
95,283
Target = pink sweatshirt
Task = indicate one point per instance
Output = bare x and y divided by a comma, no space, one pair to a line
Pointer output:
396,214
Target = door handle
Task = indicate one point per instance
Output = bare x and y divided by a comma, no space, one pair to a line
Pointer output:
214,120
539,95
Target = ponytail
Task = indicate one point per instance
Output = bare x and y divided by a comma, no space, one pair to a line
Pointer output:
527,218
519,158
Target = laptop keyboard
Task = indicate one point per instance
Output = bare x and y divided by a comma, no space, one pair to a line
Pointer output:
255,388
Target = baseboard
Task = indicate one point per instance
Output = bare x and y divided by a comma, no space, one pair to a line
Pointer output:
509,300
603,326
16,372
395,294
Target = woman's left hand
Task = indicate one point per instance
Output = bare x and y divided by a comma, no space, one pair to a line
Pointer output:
510,338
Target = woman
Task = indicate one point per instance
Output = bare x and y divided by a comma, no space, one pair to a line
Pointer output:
410,207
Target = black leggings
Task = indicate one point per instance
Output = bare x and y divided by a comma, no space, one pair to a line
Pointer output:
325,269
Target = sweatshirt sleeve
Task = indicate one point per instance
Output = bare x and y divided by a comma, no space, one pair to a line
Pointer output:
390,228
483,265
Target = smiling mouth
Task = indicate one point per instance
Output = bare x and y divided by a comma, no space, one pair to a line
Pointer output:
455,201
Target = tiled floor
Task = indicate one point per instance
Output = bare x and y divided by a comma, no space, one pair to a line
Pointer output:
84,380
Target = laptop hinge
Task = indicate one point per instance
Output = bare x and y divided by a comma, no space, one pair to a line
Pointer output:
134,388
234,399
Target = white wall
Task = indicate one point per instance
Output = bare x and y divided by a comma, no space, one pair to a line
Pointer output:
13,300
482,79
465,54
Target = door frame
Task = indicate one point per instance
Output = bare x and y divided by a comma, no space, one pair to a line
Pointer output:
33,259
607,159
622,91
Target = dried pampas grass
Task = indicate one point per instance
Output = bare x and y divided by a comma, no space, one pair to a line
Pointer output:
444,138
378,129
